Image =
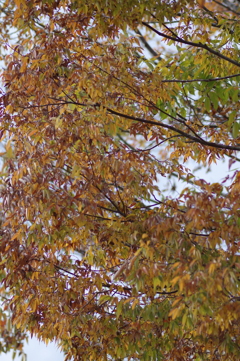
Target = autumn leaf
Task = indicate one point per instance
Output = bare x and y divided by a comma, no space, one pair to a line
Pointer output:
104,107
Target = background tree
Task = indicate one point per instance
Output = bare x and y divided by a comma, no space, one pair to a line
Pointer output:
94,254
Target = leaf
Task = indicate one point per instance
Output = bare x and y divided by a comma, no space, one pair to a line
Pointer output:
103,299
235,129
214,99
72,106
207,104
231,117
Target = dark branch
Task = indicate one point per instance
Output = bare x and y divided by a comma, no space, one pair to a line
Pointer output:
197,45
204,80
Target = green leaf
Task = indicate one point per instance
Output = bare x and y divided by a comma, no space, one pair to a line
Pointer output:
235,129
119,309
232,117
214,98
104,299
72,106
235,94
207,104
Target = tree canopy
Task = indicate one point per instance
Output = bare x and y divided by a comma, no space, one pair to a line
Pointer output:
100,101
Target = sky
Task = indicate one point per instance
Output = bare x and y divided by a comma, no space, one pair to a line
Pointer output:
37,351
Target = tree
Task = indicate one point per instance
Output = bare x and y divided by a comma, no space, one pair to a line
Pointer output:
94,253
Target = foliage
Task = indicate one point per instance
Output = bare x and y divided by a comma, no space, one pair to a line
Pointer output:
94,253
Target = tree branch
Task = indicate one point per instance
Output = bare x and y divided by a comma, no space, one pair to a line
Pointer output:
197,45
202,80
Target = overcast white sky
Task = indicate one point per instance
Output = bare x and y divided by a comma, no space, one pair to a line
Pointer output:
37,351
